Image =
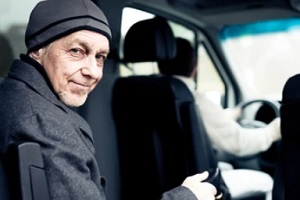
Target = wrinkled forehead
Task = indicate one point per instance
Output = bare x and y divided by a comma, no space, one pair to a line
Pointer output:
88,39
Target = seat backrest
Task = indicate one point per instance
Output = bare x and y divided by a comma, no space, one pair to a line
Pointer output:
24,176
160,139
287,175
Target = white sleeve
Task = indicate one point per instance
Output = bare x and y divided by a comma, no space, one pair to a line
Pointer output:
226,134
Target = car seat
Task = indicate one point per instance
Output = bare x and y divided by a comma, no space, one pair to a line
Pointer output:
22,174
287,175
160,134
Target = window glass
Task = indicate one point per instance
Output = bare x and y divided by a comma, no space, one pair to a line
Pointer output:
209,81
14,15
263,55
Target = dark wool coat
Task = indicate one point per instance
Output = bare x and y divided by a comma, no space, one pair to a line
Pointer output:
30,111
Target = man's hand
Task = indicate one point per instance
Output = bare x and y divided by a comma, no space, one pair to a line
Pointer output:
202,190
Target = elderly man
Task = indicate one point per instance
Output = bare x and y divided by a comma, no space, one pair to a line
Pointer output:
68,42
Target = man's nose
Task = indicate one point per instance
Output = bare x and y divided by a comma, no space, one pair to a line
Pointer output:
91,68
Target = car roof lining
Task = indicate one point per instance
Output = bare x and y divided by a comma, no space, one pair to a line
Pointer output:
218,13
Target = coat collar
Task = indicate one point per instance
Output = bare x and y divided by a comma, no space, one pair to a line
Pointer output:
32,73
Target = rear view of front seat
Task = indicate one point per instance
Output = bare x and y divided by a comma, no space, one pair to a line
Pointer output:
287,175
160,139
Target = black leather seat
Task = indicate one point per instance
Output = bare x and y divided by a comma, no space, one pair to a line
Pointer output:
22,173
287,175
158,143
160,139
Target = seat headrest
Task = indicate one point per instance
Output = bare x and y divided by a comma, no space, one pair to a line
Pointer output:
291,93
148,41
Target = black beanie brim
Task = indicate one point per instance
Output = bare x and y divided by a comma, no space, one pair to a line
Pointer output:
46,26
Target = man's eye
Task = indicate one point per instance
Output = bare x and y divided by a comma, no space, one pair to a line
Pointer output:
76,52
100,59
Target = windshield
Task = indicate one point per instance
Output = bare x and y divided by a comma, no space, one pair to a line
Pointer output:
263,55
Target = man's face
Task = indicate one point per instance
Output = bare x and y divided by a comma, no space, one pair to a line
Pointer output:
74,64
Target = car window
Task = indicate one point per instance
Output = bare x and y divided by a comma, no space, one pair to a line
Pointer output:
14,15
209,81
263,55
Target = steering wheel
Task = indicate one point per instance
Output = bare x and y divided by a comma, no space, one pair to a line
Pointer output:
272,106
266,160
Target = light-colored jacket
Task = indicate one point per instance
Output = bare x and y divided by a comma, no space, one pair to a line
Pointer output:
226,134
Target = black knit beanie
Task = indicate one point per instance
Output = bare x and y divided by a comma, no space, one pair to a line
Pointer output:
53,19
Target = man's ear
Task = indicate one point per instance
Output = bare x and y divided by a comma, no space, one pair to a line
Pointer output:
35,54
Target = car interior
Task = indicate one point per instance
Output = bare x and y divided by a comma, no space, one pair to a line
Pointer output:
146,129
